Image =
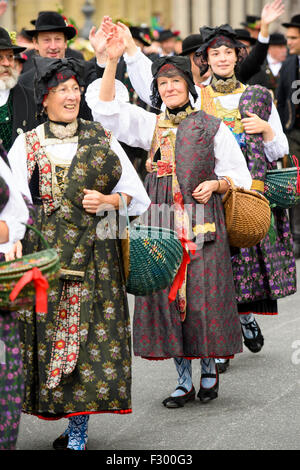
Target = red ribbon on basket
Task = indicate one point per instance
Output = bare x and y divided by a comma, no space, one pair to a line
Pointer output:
179,278
40,284
296,163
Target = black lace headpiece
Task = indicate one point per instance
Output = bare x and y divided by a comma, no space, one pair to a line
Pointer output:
165,66
216,37
50,72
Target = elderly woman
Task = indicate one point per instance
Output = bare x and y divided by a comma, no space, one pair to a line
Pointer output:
202,322
77,358
13,214
267,272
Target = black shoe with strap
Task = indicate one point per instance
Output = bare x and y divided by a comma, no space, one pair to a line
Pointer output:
179,402
256,343
61,443
207,394
223,366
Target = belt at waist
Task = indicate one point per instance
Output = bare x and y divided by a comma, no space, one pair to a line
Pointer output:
163,168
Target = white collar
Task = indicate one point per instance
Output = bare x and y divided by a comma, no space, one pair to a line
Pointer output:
4,94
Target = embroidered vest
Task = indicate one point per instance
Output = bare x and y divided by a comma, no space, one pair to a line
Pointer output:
195,163
94,167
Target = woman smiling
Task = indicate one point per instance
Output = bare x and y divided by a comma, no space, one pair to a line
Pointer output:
195,325
75,169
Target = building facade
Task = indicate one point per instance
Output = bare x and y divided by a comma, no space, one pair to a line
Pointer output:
184,15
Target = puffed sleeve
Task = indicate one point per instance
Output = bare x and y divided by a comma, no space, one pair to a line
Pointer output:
18,163
140,74
279,146
130,183
15,212
230,160
129,123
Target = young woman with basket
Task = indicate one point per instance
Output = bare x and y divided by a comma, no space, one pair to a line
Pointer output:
196,325
13,215
77,357
266,272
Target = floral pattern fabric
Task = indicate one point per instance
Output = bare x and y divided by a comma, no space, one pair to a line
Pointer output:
100,381
211,327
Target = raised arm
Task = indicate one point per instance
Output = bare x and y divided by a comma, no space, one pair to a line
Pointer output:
130,124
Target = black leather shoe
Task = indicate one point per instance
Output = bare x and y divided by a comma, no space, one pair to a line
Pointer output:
254,344
207,394
223,366
61,443
179,402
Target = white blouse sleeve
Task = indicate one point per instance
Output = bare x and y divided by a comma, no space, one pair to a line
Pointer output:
140,74
18,163
15,213
279,146
230,160
129,123
130,183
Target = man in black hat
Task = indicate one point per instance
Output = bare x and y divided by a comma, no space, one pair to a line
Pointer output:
167,40
289,108
50,38
252,25
32,52
189,46
269,74
17,106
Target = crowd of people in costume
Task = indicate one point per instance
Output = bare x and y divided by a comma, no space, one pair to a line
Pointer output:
160,128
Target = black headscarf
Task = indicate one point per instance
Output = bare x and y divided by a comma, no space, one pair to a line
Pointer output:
50,72
216,37
160,68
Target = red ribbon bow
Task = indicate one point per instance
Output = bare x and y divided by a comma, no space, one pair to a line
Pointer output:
179,278
40,284
164,168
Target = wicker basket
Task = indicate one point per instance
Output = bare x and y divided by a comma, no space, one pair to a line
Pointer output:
247,216
282,186
152,257
11,272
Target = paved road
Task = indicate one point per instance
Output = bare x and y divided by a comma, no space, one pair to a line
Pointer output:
258,404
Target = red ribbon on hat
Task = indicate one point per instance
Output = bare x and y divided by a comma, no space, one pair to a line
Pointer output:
40,284
179,278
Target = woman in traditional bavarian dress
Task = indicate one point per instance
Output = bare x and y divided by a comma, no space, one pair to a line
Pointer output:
202,323
266,272
77,358
13,214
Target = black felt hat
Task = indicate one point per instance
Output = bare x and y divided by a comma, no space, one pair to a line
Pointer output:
277,39
295,22
167,34
251,21
244,35
6,43
138,33
52,21
191,44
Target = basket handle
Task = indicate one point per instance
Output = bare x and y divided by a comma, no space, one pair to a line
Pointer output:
296,164
126,210
44,241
